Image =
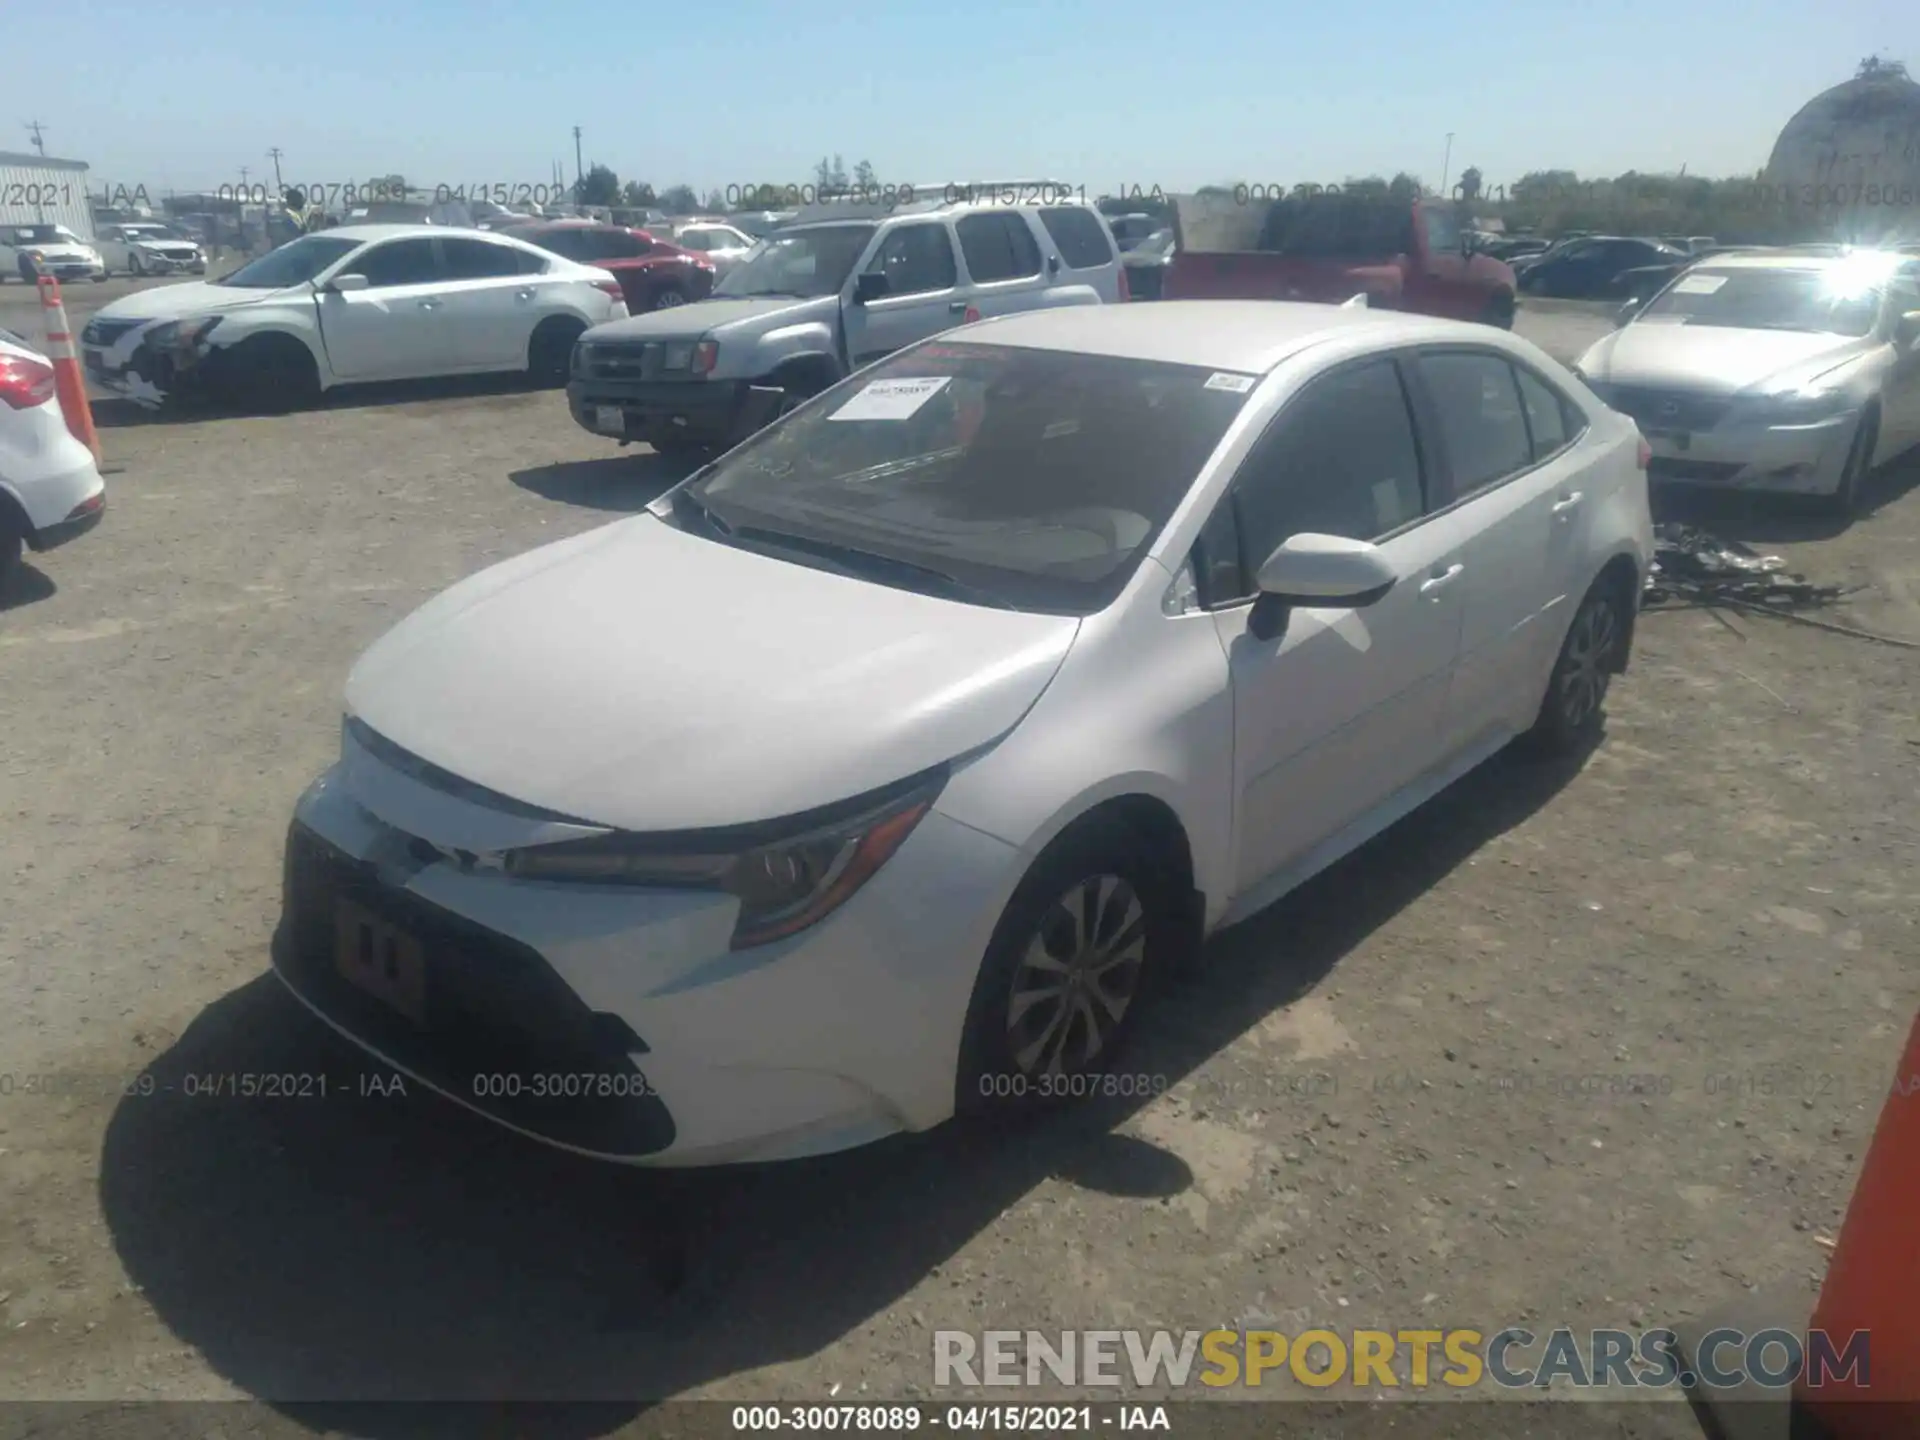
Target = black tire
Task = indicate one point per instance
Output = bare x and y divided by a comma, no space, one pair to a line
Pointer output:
1844,503
1573,711
550,352
134,265
12,538
1499,311
667,297
1021,1056
29,272
270,375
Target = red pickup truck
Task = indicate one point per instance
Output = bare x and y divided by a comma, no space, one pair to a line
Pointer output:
1328,246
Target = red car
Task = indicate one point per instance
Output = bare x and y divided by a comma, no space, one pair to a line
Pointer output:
652,274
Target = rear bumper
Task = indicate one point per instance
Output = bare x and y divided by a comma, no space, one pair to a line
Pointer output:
706,410
85,517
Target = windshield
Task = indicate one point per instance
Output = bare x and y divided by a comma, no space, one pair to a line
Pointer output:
1033,478
44,235
292,264
1159,243
152,232
1832,300
810,262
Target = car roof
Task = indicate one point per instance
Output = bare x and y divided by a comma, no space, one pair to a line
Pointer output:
1800,259
364,233
1250,336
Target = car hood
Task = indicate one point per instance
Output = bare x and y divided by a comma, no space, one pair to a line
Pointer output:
704,317
62,250
647,679
191,297
160,242
1716,358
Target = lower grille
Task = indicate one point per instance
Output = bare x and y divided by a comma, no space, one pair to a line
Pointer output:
1661,468
493,1008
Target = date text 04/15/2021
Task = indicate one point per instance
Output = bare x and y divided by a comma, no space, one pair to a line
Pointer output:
898,1419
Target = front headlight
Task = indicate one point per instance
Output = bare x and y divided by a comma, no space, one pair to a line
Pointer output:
181,334
1799,407
677,355
784,882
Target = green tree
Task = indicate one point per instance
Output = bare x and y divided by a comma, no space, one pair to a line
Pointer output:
600,186
679,200
1470,184
637,195
864,176
830,174
716,202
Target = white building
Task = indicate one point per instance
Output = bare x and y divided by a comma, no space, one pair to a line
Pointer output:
39,190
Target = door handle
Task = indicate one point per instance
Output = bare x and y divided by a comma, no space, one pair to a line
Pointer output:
1438,580
956,307
1568,503
429,304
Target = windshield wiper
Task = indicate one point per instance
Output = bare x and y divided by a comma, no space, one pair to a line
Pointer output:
686,501
867,565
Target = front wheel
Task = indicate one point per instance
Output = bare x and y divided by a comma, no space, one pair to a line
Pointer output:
1499,311
271,375
1844,503
1065,975
667,297
135,265
1573,711
550,351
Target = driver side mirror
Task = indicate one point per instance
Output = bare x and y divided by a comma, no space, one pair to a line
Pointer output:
871,285
1627,311
1318,572
342,284
1906,331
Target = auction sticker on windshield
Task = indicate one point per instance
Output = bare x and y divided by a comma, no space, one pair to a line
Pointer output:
891,399
1227,380
1698,284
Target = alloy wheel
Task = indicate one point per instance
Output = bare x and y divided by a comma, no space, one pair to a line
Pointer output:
1077,978
1584,673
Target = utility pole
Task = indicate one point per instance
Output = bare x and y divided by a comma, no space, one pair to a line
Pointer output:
1446,165
579,171
244,172
38,144
274,155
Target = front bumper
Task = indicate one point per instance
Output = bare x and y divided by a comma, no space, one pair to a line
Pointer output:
674,1050
702,410
1782,459
72,269
148,374
156,264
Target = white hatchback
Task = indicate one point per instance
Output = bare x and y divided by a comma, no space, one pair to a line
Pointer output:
50,489
971,695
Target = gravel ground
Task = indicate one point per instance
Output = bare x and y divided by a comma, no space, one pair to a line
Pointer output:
1380,1103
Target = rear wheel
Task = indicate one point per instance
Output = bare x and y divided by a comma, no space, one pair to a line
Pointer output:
1499,311
1573,711
12,536
667,297
550,351
1845,500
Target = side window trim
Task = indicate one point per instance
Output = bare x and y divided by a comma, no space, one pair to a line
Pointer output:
1229,523
1572,417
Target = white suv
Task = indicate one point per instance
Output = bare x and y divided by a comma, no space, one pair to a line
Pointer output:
841,286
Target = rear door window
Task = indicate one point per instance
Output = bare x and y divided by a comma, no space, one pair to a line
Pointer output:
917,259
402,262
478,259
998,247
1481,421
1079,234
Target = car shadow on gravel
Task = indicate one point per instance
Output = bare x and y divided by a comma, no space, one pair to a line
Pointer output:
336,1254
628,482
115,413
1783,519
26,586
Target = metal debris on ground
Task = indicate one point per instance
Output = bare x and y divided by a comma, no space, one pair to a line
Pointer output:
1691,566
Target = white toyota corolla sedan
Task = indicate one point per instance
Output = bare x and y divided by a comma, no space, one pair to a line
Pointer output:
879,769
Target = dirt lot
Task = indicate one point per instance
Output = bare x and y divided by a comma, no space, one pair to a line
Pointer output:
1380,1111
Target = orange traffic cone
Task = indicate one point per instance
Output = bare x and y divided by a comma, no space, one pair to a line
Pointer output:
1873,1280
69,383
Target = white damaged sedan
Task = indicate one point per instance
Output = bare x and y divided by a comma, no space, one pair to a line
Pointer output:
879,769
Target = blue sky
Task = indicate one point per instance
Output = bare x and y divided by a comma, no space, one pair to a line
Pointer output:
1124,92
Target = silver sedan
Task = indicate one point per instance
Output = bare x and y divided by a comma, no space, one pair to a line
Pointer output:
1788,371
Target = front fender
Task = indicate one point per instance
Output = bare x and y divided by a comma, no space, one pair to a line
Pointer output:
770,351
238,326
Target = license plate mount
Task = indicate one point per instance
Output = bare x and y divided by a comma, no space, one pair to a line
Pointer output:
610,419
381,959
